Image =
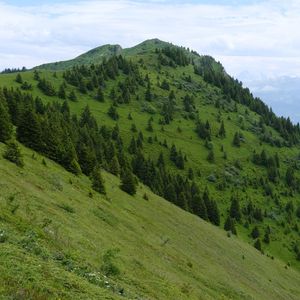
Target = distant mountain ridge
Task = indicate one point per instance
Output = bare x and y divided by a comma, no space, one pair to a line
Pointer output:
97,54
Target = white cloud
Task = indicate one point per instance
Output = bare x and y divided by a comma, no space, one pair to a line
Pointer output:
259,38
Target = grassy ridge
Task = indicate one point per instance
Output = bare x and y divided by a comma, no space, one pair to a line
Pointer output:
284,237
57,235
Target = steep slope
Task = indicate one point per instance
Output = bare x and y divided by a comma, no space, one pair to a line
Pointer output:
57,235
233,163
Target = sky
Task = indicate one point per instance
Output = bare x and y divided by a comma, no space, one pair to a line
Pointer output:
252,39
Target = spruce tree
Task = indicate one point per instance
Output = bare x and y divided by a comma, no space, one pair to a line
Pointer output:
5,123
235,211
255,233
98,182
72,96
114,166
222,132
257,245
61,92
100,96
13,153
128,182
211,156
29,130
236,140
19,78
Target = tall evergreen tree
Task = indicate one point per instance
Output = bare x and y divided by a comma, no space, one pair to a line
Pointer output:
222,132
29,130
13,153
235,211
5,122
128,182
98,181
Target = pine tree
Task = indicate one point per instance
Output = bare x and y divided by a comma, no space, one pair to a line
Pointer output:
72,96
236,140
13,154
114,166
255,233
235,211
61,92
128,182
100,96
198,207
229,225
112,112
98,182
257,245
266,238
211,156
5,123
29,130
19,78
222,132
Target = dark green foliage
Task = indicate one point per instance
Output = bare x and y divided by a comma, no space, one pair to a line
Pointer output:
257,245
19,78
100,96
266,238
46,87
29,130
128,182
13,153
112,112
222,132
235,211
229,225
114,166
211,156
5,122
203,130
255,233
290,177
236,140
72,96
61,92
98,182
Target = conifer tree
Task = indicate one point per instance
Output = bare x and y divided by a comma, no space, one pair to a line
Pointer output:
19,78
98,182
5,122
236,140
114,166
235,211
229,225
13,153
211,156
255,233
100,96
72,96
29,130
222,132
112,112
128,182
257,245
61,92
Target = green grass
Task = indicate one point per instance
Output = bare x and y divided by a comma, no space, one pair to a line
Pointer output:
163,251
188,141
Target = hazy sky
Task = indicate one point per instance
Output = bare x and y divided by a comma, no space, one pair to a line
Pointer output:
252,39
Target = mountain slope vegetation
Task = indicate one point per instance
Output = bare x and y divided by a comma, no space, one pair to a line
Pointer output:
61,242
175,121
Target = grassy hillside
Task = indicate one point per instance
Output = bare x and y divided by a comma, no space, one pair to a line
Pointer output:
162,96
57,237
